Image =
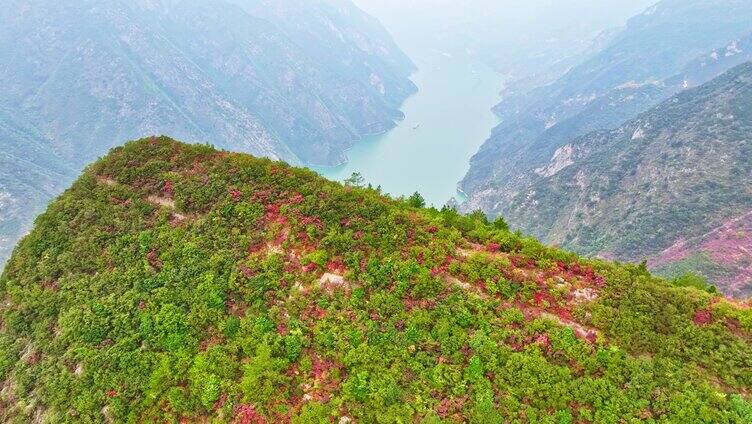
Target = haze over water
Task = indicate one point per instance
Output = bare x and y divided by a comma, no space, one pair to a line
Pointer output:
458,89
452,113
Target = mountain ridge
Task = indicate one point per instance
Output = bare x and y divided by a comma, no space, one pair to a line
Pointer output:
611,86
178,282
299,81
684,164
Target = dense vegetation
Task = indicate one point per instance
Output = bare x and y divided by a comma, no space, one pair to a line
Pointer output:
177,283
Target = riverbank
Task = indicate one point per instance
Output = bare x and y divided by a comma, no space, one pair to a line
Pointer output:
445,123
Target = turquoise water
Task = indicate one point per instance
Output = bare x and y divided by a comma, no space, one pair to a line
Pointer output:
452,110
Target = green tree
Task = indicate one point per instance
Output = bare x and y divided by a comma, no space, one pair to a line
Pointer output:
416,200
355,180
501,224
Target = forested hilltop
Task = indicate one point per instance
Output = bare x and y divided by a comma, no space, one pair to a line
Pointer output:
296,80
177,283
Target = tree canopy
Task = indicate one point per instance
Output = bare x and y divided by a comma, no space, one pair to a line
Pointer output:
177,283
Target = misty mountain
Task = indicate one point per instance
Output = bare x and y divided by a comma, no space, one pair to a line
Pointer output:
294,80
671,177
649,60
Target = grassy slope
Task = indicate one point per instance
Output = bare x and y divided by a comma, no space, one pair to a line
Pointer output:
176,282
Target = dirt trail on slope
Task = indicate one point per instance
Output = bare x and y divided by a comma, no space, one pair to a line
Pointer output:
579,296
153,199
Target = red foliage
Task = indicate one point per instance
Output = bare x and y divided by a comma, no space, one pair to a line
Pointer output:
336,265
256,248
282,329
466,351
702,317
493,247
543,340
247,272
400,325
247,414
482,286
541,296
433,229
235,194
272,210
312,220
121,202
410,304
141,305
303,237
519,261
292,371
220,402
600,282
167,189
310,267
319,313
319,367
261,196
111,393
591,337
563,314
443,408
297,199
153,258
358,235
282,236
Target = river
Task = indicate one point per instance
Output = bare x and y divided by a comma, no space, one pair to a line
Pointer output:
445,123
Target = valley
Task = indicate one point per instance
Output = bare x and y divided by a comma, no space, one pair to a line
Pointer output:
445,122
375,211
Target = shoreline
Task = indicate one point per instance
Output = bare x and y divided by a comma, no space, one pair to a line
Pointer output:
345,151
396,123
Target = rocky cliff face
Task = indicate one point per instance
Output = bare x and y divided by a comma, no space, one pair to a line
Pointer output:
244,75
30,174
668,48
676,178
295,80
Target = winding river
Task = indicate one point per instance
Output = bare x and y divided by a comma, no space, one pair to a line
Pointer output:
445,124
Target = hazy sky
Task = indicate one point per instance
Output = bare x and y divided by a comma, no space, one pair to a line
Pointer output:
499,27
509,13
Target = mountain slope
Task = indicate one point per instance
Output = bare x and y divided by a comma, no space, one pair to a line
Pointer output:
295,80
674,173
657,54
179,283
88,74
30,175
